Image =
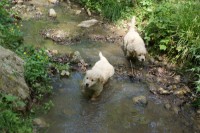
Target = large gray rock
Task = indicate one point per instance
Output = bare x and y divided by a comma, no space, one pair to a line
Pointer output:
12,74
140,100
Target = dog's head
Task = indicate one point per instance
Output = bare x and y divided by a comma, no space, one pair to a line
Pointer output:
91,78
141,57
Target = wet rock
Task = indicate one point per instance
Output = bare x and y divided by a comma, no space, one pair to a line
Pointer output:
153,88
65,73
160,58
38,15
179,102
55,34
198,113
52,13
77,12
68,2
61,59
157,62
88,23
165,63
51,53
182,91
167,106
161,70
152,60
103,38
30,8
28,11
173,87
12,74
20,1
158,90
177,79
83,65
176,109
80,64
53,1
40,122
140,100
163,91
76,57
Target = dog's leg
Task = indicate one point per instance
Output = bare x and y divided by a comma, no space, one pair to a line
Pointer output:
97,93
128,54
83,90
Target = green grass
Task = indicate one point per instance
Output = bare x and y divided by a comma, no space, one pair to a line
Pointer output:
11,120
109,9
10,34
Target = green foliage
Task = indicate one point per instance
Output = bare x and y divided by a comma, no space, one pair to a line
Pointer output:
109,9
10,120
60,66
175,26
196,103
10,34
36,71
37,64
47,106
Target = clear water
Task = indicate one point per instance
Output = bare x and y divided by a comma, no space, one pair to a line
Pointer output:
114,111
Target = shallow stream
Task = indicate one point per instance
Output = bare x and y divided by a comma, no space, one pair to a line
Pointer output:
114,111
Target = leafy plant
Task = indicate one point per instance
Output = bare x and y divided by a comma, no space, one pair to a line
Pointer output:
109,9
61,66
36,71
48,105
10,34
10,120
173,27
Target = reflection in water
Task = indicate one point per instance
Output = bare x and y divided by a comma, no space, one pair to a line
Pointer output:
114,111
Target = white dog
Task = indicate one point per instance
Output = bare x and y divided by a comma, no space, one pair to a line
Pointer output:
133,44
98,75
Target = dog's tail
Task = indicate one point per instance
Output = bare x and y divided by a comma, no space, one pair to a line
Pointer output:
101,56
132,24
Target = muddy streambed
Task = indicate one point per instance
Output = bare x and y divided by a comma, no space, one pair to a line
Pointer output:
115,110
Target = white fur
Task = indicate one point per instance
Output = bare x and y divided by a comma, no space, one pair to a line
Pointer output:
99,74
133,43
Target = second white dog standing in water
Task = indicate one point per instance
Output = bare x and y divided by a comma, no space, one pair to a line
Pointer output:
133,43
99,74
